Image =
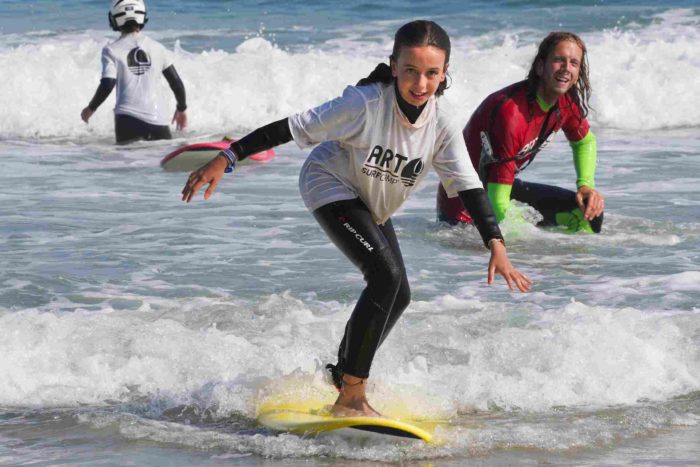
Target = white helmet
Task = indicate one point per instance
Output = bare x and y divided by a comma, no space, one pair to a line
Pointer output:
124,11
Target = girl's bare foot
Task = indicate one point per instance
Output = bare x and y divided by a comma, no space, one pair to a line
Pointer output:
352,400
364,411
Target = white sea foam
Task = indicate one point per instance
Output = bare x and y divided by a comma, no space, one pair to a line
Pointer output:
216,352
146,320
643,78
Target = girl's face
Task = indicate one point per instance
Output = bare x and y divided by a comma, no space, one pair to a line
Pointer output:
418,72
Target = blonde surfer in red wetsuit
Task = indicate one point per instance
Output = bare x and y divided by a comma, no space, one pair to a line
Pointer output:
512,125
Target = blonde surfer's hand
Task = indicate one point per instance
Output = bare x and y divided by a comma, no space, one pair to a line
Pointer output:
86,114
180,120
209,173
499,263
590,202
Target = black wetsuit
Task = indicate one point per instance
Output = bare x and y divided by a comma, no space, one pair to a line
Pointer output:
129,129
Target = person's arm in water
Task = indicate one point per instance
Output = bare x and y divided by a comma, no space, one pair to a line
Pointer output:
178,88
499,195
103,90
589,200
506,139
263,138
107,83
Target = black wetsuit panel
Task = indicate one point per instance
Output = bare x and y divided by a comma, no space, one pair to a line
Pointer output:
128,129
410,111
262,139
103,90
374,249
476,201
177,87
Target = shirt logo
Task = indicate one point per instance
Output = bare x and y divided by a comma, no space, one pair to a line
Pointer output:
388,166
529,151
138,61
410,173
526,150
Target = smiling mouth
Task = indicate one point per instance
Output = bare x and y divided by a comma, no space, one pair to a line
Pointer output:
419,96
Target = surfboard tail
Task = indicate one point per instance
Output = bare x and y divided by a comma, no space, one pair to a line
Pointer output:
193,156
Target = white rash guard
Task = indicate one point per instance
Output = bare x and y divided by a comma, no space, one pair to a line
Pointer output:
137,63
370,150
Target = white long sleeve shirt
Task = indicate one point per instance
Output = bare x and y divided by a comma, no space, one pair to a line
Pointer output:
372,151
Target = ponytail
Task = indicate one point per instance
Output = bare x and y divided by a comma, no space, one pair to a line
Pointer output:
381,74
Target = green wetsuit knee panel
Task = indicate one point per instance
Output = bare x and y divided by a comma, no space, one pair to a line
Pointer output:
575,222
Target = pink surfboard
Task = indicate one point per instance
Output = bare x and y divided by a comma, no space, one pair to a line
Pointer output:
193,156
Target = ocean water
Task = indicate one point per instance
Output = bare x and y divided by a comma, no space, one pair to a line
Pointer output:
135,329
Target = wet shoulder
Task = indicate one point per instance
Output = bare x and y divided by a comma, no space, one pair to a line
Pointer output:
111,46
369,93
147,43
513,102
448,114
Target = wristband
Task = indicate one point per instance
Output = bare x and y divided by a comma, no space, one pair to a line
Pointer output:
231,157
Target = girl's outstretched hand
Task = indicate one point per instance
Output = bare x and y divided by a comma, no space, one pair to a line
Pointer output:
499,263
210,173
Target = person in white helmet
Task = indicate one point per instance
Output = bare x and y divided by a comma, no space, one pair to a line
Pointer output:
133,63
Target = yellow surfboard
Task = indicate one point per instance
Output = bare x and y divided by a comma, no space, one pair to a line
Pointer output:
304,422
308,411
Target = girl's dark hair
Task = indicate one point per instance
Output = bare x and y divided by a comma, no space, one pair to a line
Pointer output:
580,93
418,33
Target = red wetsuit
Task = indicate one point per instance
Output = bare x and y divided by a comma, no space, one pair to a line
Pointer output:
514,123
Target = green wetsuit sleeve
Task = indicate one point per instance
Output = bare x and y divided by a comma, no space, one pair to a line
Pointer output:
499,195
585,155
